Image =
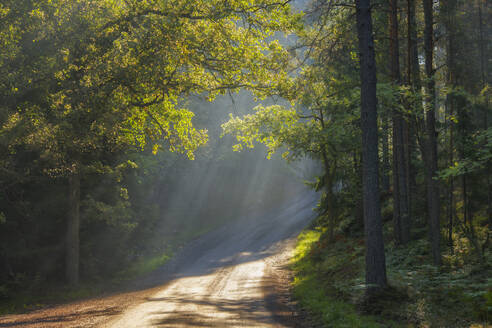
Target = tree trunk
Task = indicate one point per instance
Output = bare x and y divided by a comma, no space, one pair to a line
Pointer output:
416,86
482,45
375,258
359,206
332,210
385,180
484,73
433,201
448,7
400,174
395,77
451,205
409,148
73,223
329,180
413,62
396,188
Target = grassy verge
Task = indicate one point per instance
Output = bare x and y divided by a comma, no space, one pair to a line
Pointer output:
317,273
328,283
142,267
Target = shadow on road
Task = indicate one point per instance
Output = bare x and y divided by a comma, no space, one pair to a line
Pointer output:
246,240
112,311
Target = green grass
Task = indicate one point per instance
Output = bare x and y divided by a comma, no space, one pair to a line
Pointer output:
330,312
315,291
142,267
329,283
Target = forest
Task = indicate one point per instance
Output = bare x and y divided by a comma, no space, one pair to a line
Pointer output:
129,128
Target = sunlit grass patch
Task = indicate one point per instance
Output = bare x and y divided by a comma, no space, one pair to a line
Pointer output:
143,266
330,312
314,284
304,245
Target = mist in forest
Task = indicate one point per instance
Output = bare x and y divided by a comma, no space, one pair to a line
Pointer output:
132,203
221,185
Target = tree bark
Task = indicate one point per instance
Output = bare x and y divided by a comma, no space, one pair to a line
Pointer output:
416,86
401,215
484,73
447,7
385,180
375,258
395,77
73,225
451,205
433,201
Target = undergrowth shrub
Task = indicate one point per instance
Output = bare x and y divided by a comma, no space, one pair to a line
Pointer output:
329,282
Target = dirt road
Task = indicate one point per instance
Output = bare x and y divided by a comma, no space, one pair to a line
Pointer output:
229,278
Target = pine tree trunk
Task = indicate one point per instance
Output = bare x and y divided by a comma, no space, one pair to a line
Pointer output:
451,205
385,180
410,145
433,201
413,50
448,7
375,258
73,223
484,73
400,174
396,188
404,176
359,206
416,86
395,77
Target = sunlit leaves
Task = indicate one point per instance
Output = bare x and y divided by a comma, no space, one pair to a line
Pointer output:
108,74
272,126
478,160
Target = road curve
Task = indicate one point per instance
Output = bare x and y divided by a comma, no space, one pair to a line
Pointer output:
223,281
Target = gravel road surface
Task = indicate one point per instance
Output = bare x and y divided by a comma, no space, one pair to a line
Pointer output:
234,276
